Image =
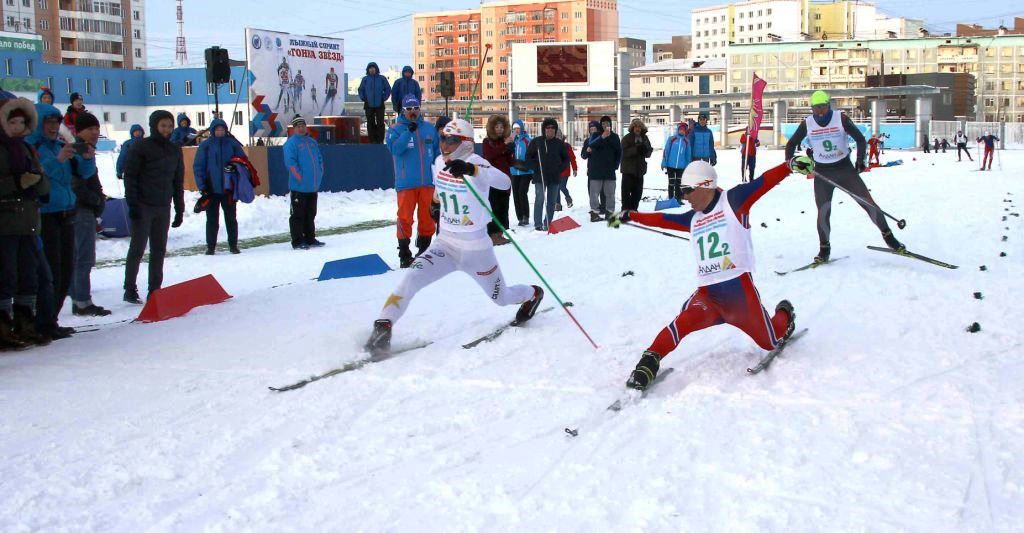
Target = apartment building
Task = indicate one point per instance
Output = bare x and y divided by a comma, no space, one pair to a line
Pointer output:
456,40
997,64
679,48
676,77
93,33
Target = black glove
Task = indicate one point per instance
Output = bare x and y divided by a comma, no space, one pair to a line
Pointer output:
179,217
459,168
435,212
714,161
413,126
861,167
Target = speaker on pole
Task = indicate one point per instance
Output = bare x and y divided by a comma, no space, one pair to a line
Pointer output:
218,66
447,84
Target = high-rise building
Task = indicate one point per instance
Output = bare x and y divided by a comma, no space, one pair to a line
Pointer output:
679,48
714,28
99,33
975,30
456,40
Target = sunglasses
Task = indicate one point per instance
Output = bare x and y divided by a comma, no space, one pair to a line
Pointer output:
452,140
413,108
684,190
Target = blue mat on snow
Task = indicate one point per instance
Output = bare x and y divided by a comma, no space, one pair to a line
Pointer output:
666,204
354,267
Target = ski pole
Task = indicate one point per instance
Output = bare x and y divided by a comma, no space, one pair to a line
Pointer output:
900,223
665,233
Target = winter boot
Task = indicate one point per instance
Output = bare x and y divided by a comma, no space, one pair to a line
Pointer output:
210,250
892,242
529,307
404,253
823,252
89,310
235,250
132,296
8,340
594,217
60,332
25,326
380,340
523,222
784,305
558,207
645,372
422,244
316,244
497,239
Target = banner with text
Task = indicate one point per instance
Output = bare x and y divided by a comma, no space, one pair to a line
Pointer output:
292,75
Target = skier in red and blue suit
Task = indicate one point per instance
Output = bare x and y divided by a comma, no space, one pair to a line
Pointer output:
990,147
720,237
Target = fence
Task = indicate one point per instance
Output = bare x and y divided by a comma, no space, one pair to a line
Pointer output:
1011,133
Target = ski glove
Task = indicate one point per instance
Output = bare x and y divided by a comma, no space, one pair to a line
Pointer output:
460,168
801,164
28,179
616,219
179,217
413,126
435,211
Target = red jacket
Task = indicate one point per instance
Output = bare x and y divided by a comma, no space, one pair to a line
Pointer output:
751,149
498,154
572,162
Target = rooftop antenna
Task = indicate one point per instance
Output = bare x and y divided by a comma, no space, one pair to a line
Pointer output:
180,51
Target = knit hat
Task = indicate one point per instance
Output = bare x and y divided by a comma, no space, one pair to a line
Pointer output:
74,96
85,121
819,98
298,121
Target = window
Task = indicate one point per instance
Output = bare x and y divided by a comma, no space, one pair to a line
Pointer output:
188,88
136,34
209,89
123,87
106,117
167,88
106,87
44,24
28,67
135,15
124,117
201,119
26,3
9,66
238,118
138,53
68,83
232,88
152,88
42,5
88,86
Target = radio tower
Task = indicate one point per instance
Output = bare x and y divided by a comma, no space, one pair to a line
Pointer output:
180,51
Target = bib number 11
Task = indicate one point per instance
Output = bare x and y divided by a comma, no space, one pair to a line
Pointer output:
713,242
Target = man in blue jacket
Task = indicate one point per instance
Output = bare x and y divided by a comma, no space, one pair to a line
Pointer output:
136,133
184,134
58,214
374,91
603,154
211,157
405,86
675,159
521,178
305,166
413,144
702,141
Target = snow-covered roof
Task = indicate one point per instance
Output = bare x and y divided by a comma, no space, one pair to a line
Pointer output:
685,65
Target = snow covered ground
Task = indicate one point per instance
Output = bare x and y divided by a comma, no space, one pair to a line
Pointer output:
886,416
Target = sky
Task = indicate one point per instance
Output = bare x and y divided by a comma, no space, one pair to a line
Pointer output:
382,31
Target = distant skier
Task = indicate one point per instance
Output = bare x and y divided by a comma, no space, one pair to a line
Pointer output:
330,91
935,145
990,147
284,77
873,149
298,85
827,131
945,145
463,244
720,233
961,145
927,145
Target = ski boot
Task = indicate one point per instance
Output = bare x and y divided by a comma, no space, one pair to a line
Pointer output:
645,372
132,296
892,243
422,244
380,340
8,340
25,328
784,305
823,252
529,307
404,253
595,217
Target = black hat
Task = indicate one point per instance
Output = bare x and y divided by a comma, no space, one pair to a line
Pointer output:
85,121
75,96
298,121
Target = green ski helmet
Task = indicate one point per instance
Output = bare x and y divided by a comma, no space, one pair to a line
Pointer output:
819,98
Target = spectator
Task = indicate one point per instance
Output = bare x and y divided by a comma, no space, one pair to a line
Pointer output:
305,166
374,91
927,145
521,178
602,158
935,147
45,96
405,86
440,123
565,173
750,161
548,158
675,158
636,148
77,107
184,134
414,145
22,182
945,144
58,214
702,141
89,204
153,180
499,152
613,138
136,133
212,156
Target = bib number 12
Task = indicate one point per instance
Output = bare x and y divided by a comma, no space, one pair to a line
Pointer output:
713,242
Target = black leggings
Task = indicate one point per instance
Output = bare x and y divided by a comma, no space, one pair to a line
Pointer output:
846,176
520,196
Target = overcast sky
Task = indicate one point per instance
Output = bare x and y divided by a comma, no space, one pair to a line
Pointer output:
381,31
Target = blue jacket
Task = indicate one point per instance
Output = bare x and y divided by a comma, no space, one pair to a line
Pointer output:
677,152
62,198
374,89
404,86
211,157
702,143
304,162
521,142
119,169
413,152
180,134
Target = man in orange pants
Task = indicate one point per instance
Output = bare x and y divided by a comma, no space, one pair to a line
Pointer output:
413,144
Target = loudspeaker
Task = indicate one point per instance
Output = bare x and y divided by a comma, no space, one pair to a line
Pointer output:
218,67
447,84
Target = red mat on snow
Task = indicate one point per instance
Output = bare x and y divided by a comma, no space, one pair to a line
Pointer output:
176,300
562,224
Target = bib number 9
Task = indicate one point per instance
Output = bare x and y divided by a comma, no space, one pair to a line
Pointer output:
713,242
828,146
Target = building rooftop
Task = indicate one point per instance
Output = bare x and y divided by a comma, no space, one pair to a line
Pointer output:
685,65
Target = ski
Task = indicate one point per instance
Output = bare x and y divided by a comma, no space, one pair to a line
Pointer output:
906,253
812,265
630,397
497,333
350,366
85,328
766,361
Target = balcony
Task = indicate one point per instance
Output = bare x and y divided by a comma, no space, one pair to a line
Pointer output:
957,58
